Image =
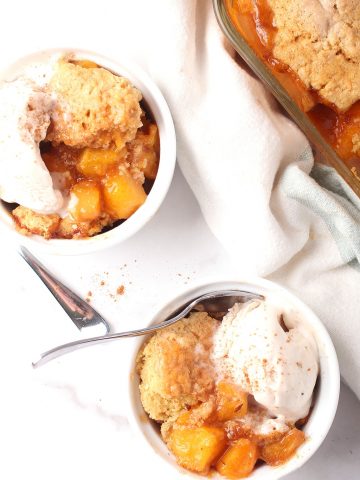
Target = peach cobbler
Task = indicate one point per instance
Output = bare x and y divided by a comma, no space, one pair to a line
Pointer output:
87,149
229,395
313,49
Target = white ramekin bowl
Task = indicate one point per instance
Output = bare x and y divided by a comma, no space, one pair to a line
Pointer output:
327,392
159,109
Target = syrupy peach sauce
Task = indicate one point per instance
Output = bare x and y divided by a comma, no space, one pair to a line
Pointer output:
254,21
219,435
103,163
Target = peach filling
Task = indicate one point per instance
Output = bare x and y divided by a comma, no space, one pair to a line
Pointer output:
254,21
202,442
104,186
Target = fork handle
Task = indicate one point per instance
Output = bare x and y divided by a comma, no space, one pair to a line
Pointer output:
80,312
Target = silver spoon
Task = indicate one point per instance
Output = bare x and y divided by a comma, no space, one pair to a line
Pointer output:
215,303
81,313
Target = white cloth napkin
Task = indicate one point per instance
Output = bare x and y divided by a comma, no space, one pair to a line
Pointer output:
249,167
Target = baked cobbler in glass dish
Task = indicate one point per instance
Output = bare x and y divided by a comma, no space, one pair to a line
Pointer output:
312,48
79,148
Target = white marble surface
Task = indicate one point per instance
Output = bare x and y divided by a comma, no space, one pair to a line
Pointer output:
68,419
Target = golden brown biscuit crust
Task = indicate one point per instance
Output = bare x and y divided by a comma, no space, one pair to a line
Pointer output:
53,226
28,222
175,368
93,107
320,41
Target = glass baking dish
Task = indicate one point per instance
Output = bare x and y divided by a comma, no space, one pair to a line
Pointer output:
324,152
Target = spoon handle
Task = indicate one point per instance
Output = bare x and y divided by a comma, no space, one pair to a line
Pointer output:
86,342
80,312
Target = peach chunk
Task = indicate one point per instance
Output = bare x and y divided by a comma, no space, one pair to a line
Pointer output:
184,418
279,452
152,142
122,195
144,150
199,415
347,144
197,448
151,165
239,460
344,144
232,401
94,162
87,201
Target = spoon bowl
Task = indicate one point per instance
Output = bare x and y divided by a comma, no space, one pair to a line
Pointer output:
85,317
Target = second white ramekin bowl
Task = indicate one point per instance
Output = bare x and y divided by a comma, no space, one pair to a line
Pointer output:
159,109
322,415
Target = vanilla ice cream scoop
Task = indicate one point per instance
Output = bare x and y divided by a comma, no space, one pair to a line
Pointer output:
269,355
24,120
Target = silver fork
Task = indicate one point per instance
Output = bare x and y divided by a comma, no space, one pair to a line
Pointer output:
81,313
215,303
